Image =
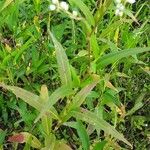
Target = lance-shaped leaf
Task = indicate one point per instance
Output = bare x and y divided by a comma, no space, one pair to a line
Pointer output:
78,99
46,120
81,130
63,63
84,137
91,118
53,98
30,98
115,56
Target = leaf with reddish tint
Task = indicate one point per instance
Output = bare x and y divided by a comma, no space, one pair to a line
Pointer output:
19,138
25,137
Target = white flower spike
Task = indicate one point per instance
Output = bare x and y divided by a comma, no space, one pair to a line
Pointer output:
119,9
75,13
131,1
64,5
55,1
52,7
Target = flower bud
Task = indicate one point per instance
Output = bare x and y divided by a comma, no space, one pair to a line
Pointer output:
64,5
52,7
75,13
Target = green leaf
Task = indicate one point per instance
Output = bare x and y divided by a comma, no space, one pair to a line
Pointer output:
49,142
78,100
83,135
63,63
109,98
85,10
94,46
60,145
22,49
46,121
113,26
2,136
75,77
37,4
129,13
101,10
30,98
100,145
25,137
139,104
6,3
54,97
71,124
81,95
115,56
91,118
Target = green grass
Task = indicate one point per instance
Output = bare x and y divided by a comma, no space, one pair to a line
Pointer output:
74,82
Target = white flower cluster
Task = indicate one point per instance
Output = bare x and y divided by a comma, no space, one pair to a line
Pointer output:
61,6
120,7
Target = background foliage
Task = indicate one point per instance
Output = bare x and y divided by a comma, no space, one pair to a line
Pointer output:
74,83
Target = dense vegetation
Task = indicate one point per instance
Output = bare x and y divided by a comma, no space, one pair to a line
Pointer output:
74,74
